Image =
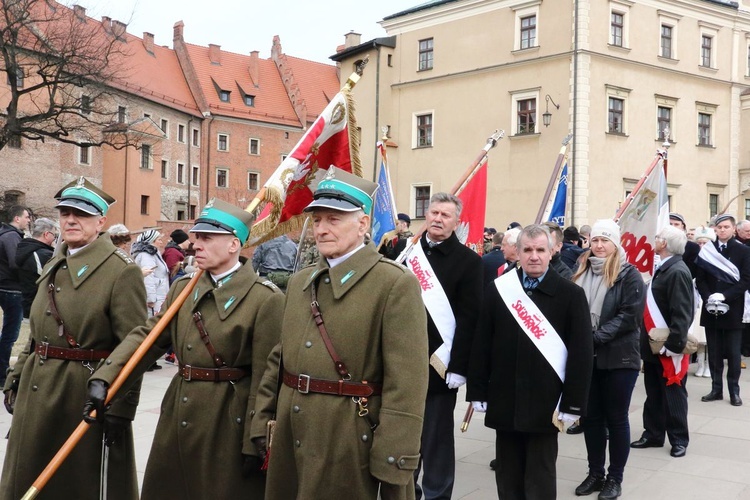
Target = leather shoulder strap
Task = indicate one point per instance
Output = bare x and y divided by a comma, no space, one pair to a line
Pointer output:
62,330
339,365
218,361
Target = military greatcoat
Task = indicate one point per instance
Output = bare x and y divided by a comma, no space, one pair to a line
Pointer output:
100,297
204,425
376,320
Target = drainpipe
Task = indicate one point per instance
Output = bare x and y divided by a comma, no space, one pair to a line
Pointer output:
575,116
377,115
125,191
208,156
189,162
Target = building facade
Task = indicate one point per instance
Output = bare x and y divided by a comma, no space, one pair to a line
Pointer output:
617,75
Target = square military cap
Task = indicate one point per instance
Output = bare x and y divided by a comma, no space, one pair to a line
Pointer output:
82,195
220,217
342,191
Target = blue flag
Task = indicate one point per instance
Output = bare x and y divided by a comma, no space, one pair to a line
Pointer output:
383,211
557,212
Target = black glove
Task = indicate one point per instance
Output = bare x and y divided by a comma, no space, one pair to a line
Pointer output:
113,428
10,396
95,401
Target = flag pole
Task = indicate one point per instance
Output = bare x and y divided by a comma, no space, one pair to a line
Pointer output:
458,186
73,440
553,179
660,154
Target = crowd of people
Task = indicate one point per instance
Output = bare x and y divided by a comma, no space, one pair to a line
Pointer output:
291,376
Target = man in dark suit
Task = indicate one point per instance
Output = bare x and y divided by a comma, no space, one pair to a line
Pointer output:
724,331
493,261
666,406
459,272
691,247
515,383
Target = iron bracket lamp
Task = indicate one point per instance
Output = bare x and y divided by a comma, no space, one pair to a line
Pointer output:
547,116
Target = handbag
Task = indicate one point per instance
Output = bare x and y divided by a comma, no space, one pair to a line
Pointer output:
658,336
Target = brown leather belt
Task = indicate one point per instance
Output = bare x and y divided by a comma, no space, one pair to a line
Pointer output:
44,351
306,384
224,374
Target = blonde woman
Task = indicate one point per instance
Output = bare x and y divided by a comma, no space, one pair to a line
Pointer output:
616,297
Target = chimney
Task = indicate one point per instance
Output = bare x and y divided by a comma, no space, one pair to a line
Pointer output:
80,12
119,29
107,24
214,53
148,42
352,39
254,70
177,30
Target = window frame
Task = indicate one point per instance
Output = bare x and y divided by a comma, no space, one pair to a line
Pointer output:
250,146
669,39
145,204
621,8
708,31
195,137
225,171
527,34
219,135
85,104
146,157
516,97
181,129
164,126
84,150
180,174
195,175
708,127
417,127
425,54
257,180
420,203
621,94
122,114
164,172
617,29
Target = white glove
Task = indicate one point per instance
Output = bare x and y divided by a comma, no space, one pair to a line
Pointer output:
567,418
479,406
716,297
454,380
666,352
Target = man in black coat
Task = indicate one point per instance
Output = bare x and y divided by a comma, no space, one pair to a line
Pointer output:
691,247
493,261
666,406
459,271
31,256
724,331
515,383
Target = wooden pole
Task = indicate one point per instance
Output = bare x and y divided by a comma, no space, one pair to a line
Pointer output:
553,179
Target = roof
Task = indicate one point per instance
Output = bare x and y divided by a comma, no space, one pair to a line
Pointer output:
271,101
388,41
417,8
318,83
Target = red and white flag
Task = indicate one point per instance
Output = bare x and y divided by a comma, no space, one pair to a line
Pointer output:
470,230
331,140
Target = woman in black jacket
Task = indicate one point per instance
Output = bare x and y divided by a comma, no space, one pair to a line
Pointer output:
616,295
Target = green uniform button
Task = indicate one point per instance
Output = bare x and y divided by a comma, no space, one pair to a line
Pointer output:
41,362
401,462
58,289
295,409
308,344
189,347
364,437
239,420
252,413
183,423
327,280
297,443
65,266
34,388
109,361
391,460
184,399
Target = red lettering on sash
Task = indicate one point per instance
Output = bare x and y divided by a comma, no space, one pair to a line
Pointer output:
422,275
531,321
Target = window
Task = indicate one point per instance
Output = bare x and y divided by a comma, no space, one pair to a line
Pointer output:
145,156
196,138
14,142
423,130
181,133
706,50
283,157
164,169
617,28
528,32
526,110
747,209
615,113
704,130
147,115
164,125
425,54
192,211
253,181
181,173
249,100
223,142
254,146
663,122
19,77
748,61
84,154
85,104
224,95
666,41
713,204
222,177
421,200
121,114
195,178
180,211
144,205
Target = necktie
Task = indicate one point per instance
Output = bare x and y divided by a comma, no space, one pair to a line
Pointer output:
530,283
431,244
722,247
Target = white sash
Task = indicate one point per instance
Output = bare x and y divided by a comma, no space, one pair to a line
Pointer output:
531,320
437,305
660,322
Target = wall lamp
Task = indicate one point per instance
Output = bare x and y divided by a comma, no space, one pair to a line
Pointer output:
547,116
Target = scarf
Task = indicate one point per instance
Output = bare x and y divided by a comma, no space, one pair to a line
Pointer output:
592,282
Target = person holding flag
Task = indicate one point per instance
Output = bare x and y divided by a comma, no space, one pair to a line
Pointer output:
670,305
722,277
393,247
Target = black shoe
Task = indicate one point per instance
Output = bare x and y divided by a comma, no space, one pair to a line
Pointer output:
712,396
590,485
575,429
611,490
734,400
493,462
678,451
646,443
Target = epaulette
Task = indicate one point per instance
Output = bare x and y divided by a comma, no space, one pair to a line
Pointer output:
186,276
393,263
124,256
270,284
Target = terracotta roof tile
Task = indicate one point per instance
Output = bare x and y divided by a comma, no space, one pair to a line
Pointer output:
317,82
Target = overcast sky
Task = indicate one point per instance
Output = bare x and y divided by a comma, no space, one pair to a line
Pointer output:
308,29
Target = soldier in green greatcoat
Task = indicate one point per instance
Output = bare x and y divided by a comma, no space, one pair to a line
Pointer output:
96,291
222,336
350,433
